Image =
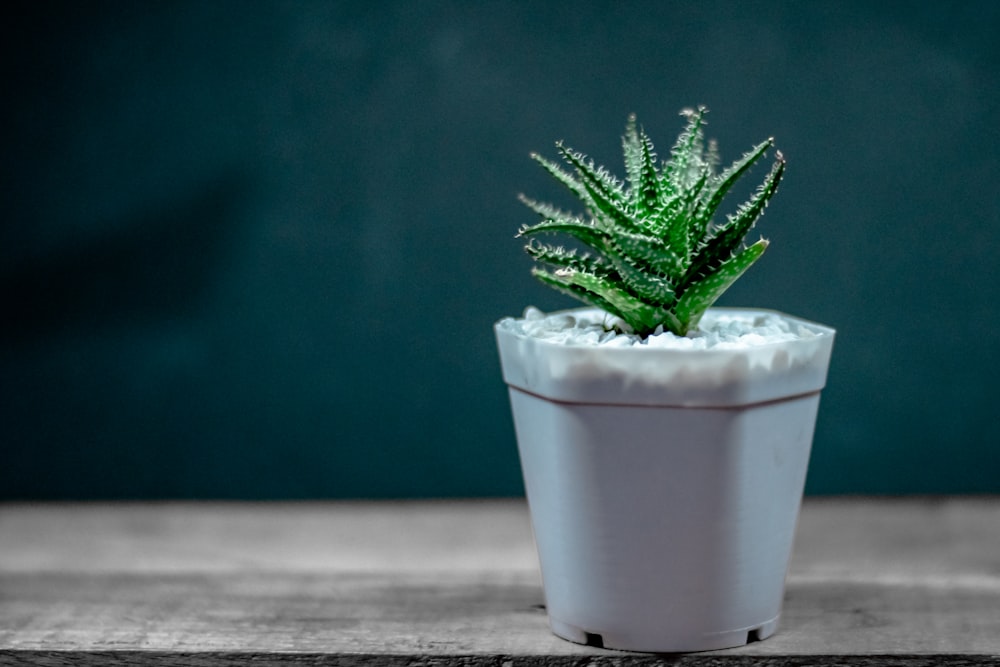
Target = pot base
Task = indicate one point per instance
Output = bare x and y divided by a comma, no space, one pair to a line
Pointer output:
663,643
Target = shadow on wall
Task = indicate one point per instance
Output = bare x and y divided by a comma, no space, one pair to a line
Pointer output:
156,266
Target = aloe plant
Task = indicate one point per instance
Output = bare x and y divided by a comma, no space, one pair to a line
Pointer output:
655,254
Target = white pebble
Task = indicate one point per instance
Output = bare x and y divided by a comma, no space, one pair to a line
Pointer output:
717,330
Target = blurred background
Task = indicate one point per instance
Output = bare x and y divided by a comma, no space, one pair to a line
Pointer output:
256,249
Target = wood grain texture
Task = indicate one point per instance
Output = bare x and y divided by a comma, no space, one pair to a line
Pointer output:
909,582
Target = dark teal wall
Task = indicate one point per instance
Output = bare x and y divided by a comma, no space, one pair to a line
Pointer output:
255,249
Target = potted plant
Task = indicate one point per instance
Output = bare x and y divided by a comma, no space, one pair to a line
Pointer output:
664,443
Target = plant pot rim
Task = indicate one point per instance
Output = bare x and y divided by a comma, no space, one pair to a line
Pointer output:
657,376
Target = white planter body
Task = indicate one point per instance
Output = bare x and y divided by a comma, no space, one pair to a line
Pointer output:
664,485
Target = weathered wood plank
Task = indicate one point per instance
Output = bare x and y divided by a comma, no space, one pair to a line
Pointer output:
357,614
445,536
872,582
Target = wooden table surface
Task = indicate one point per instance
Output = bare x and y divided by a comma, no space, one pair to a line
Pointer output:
891,581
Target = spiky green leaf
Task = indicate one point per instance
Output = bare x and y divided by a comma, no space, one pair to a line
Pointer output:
651,287
639,315
575,291
686,154
704,292
564,177
632,151
640,161
727,238
650,251
719,187
606,196
561,257
581,230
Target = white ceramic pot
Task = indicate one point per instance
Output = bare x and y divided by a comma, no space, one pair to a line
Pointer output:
664,485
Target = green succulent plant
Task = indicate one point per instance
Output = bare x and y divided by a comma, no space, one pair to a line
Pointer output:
655,255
